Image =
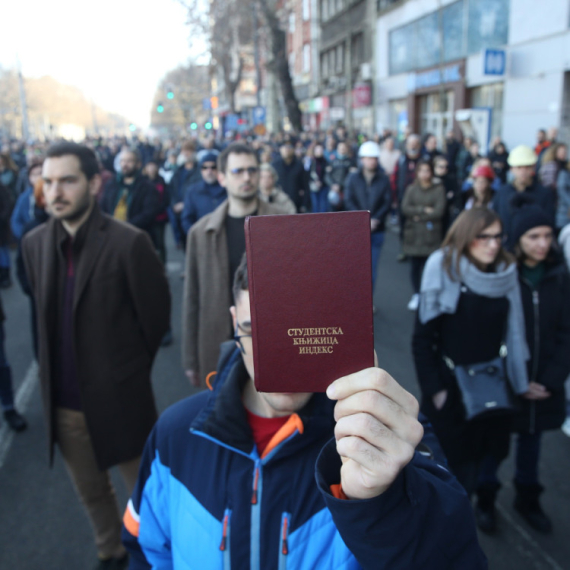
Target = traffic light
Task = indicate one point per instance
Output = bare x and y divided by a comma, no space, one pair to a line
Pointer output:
160,108
193,126
208,126
170,94
132,128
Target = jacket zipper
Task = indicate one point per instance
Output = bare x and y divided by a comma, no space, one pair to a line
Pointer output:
283,542
255,531
225,544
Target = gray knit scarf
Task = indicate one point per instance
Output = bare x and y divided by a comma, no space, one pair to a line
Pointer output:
440,294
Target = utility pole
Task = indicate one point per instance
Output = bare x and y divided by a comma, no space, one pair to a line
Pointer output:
23,105
256,54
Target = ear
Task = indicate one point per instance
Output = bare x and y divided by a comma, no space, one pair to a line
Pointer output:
95,185
222,179
233,313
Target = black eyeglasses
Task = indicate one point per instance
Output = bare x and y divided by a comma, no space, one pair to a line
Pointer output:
209,167
488,238
251,170
244,340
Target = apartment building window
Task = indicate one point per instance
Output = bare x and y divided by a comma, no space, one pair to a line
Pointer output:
340,58
325,64
292,23
357,49
292,63
306,10
306,58
324,10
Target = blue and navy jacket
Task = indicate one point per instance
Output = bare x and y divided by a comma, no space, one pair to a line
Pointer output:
206,500
201,199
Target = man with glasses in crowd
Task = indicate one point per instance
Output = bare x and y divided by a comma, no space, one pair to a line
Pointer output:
205,196
215,246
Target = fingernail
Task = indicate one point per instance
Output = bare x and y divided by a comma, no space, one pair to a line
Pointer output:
332,391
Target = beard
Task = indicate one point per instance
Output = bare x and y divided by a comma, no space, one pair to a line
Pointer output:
80,208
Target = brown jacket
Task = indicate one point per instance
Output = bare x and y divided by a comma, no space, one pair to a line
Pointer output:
206,321
121,310
422,236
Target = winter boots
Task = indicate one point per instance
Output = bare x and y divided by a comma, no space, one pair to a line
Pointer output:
528,506
485,513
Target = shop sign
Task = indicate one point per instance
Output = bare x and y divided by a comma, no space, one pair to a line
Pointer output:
434,77
361,95
259,115
336,113
494,61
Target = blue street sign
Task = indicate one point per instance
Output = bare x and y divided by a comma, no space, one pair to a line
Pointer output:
231,122
259,115
494,62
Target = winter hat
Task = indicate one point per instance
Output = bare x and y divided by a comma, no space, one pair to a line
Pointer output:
485,172
209,157
527,214
522,155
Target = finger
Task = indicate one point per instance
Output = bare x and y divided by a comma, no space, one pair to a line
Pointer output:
373,460
378,434
373,379
380,409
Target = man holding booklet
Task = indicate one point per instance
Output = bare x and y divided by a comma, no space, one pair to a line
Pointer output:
261,480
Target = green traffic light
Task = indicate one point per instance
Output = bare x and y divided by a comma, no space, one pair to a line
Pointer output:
160,109
132,128
208,126
170,95
193,126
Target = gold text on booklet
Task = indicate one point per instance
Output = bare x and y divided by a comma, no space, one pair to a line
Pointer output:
315,340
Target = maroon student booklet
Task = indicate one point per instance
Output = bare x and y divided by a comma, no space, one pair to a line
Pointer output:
310,288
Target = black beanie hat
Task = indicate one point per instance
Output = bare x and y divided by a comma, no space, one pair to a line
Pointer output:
527,214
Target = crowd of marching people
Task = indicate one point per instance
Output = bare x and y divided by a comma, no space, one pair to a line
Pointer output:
486,237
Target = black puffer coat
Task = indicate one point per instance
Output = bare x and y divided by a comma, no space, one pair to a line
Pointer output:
549,343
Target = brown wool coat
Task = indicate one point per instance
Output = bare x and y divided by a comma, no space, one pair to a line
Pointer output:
206,321
121,310
422,237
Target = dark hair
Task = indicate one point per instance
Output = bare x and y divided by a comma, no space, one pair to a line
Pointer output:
87,158
241,282
468,225
234,148
424,162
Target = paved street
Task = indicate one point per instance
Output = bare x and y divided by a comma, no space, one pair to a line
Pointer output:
42,526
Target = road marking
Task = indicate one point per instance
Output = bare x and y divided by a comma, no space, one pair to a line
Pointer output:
526,536
23,397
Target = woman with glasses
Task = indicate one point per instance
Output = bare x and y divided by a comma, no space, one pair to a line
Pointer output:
470,306
545,289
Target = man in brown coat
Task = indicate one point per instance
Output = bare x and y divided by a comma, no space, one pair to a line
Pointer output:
103,306
214,248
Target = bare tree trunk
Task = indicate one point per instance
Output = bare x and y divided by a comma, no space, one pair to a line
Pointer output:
280,65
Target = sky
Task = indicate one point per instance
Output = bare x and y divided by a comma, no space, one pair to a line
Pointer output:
115,51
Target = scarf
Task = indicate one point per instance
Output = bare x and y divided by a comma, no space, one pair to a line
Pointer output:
440,295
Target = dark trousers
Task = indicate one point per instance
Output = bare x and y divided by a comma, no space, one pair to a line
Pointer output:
416,270
376,243
158,240
526,461
320,200
6,390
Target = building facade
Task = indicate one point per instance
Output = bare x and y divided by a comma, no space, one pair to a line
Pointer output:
345,64
508,58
